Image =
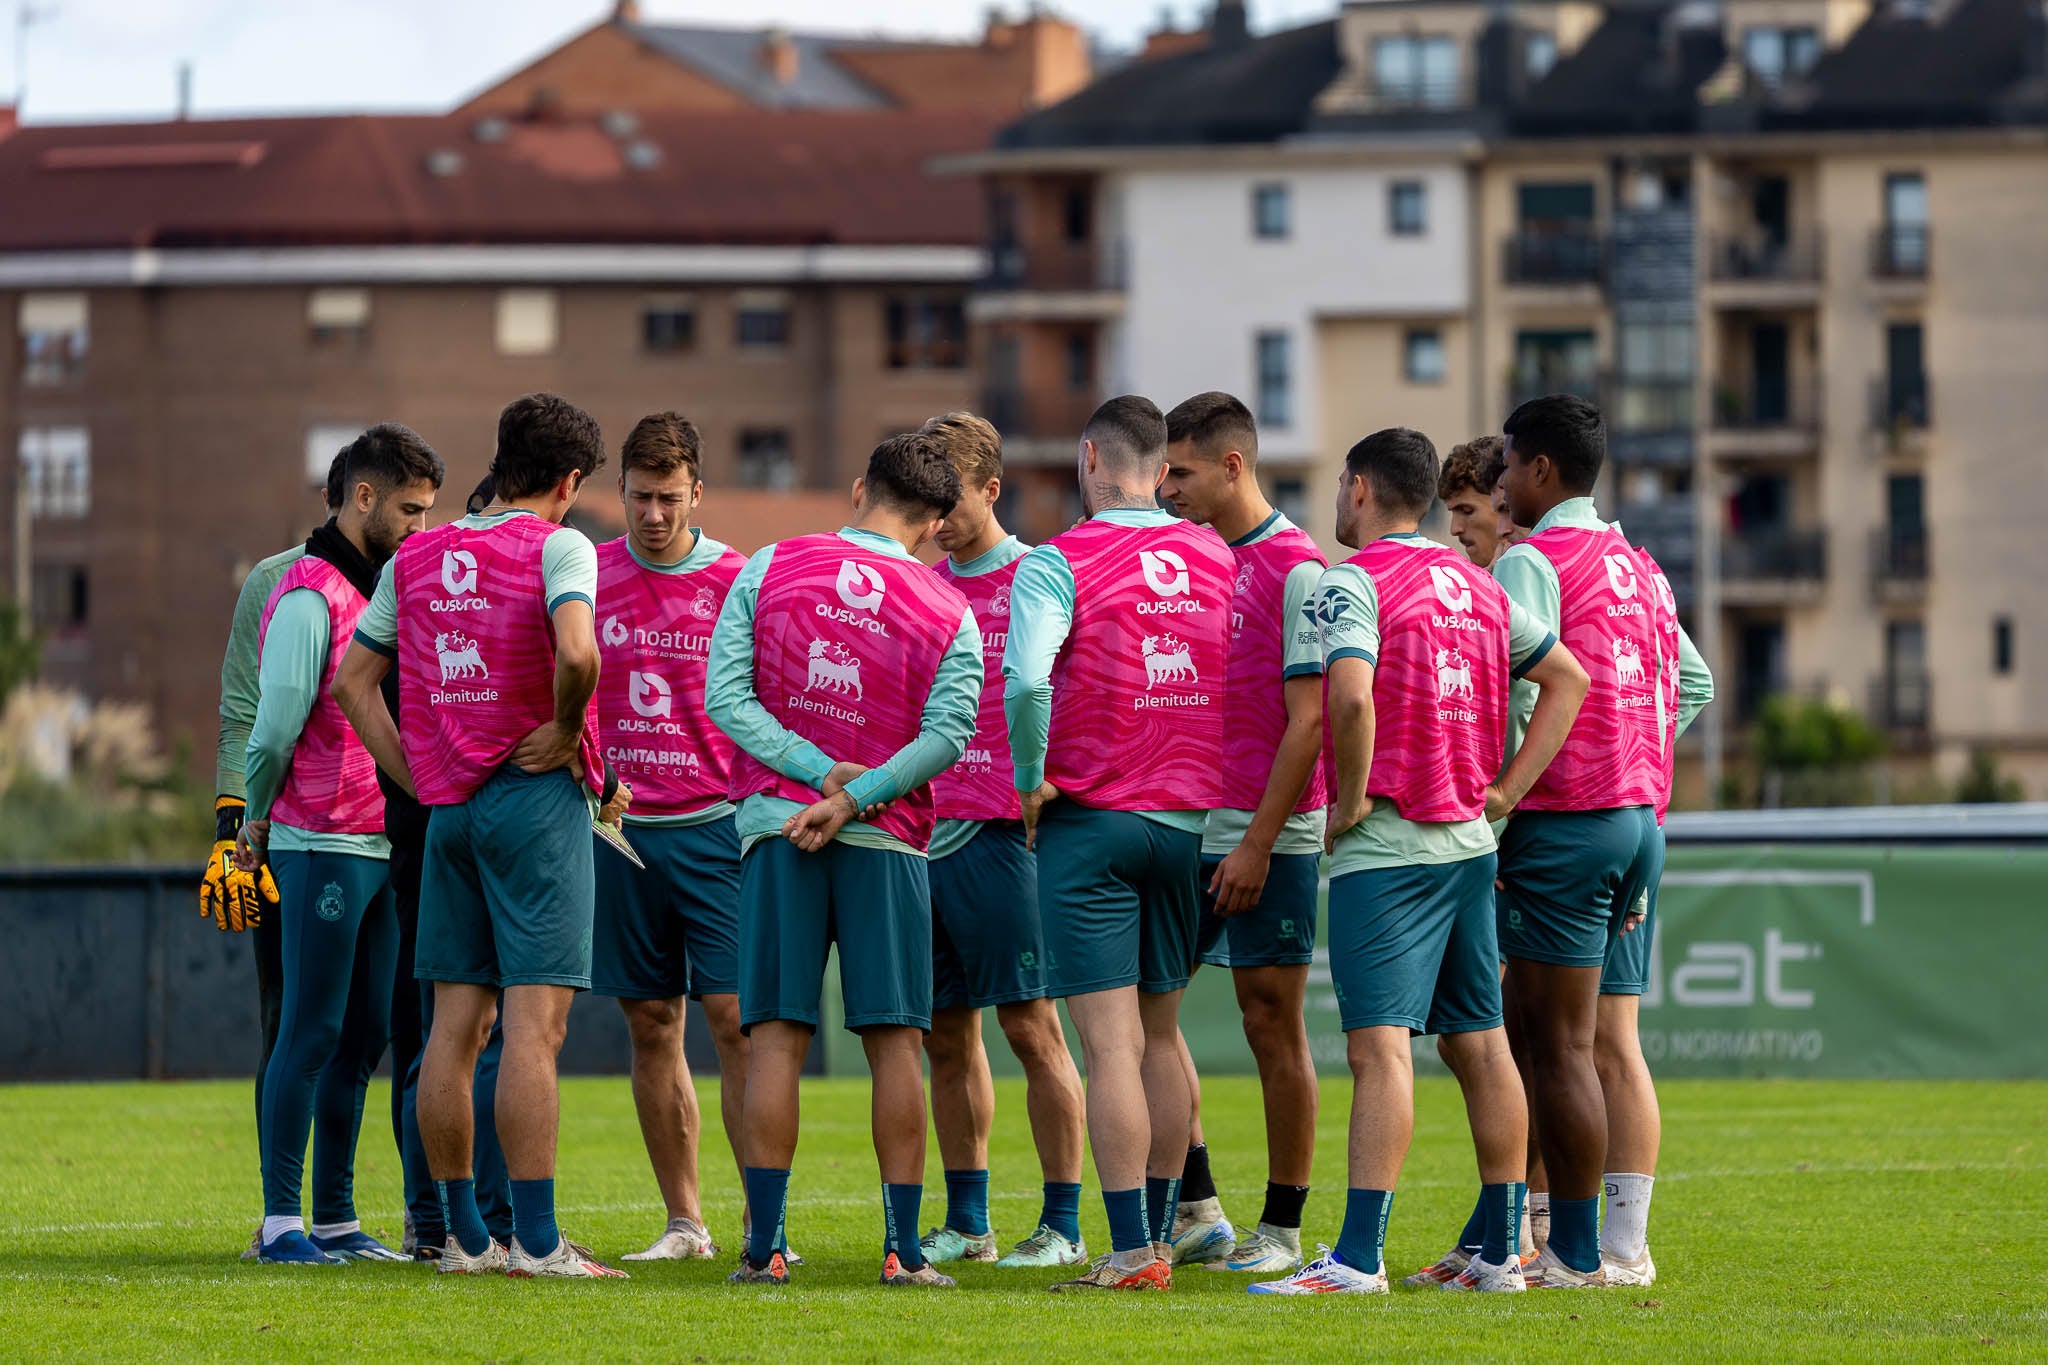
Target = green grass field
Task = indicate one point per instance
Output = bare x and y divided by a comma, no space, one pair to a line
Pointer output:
1793,1220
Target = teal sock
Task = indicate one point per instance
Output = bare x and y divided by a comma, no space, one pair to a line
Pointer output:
1062,1211
1162,1198
1503,1205
967,1202
1575,1232
1362,1243
1474,1234
899,1223
1126,1209
533,1216
459,1215
768,1197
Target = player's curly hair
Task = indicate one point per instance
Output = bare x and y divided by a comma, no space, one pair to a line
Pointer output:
913,473
1476,464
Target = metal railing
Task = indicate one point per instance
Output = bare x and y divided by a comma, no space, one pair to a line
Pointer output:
1902,699
1898,555
1775,554
1753,256
1899,251
1899,403
1555,258
1056,266
1026,412
1790,405
1637,406
1522,388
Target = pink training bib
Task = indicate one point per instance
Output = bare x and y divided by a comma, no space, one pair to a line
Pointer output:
981,786
1255,716
847,641
1611,758
476,654
1138,689
331,786
1665,610
654,631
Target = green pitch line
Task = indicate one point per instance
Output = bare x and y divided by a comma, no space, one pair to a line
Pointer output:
1792,1220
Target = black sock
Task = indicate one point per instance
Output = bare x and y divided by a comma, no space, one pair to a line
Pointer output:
1283,1205
1196,1184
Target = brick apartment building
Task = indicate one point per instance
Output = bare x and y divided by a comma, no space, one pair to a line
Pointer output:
1795,247
194,316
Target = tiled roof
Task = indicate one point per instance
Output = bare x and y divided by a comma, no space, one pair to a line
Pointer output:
751,177
732,57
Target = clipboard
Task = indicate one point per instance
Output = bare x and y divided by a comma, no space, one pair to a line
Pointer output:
616,837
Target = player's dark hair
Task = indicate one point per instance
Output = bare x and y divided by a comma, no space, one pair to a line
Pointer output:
1476,464
481,496
391,456
1129,432
1213,424
1566,428
662,443
335,469
1400,465
543,439
913,473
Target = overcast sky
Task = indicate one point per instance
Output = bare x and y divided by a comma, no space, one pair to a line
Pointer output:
117,59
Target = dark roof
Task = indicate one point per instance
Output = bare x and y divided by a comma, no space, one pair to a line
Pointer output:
1251,91
1635,73
751,177
1905,72
732,57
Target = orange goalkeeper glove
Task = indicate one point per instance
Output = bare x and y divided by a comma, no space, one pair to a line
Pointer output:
236,899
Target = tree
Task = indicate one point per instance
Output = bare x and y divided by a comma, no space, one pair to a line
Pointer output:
21,650
1983,784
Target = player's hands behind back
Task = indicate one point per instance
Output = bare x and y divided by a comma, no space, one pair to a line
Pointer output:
236,897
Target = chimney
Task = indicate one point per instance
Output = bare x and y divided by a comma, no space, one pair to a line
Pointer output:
626,12
9,121
184,91
1500,74
1228,26
778,55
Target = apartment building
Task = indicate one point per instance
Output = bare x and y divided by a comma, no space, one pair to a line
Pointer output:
1792,246
195,316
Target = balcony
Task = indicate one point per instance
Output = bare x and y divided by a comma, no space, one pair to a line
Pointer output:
1055,281
1899,254
1039,426
1902,701
1773,565
1649,421
1522,388
1560,260
1900,413
1754,271
1898,564
1777,419
1666,528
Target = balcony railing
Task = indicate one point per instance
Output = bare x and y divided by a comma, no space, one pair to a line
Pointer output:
1056,267
1902,699
1646,407
1786,405
1037,414
1522,388
1898,555
1796,260
1554,258
1899,251
1899,403
1775,554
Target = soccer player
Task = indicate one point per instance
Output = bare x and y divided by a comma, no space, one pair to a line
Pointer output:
1113,693
1420,647
1466,487
489,620
1506,532
1576,857
988,946
847,674
1262,845
247,901
673,928
314,804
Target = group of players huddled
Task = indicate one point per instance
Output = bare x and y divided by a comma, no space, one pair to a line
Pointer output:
507,765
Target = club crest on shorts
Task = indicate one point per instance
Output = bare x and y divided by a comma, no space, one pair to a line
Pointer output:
331,902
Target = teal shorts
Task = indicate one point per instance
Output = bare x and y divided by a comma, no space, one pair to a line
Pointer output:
1120,896
506,889
1279,931
874,903
1413,947
1627,968
1567,877
988,947
674,928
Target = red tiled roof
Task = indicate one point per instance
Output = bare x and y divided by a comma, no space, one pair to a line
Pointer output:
750,177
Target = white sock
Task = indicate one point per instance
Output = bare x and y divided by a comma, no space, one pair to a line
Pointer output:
1536,1218
1625,1230
1527,1246
274,1228
1208,1210
1136,1259
1287,1237
337,1229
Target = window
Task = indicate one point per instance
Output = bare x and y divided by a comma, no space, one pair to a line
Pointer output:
1412,69
1656,350
56,467
54,337
1905,391
526,321
1276,389
765,459
1080,362
1539,54
1771,54
1270,213
2001,645
1077,214
669,325
761,319
1902,246
925,333
336,316
323,443
1407,208
62,597
1555,362
1290,496
1422,356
